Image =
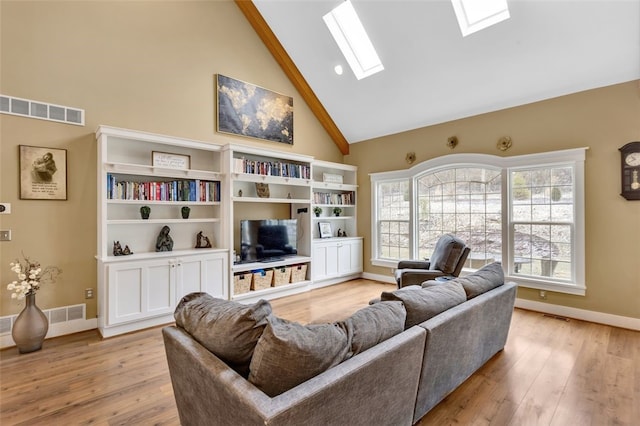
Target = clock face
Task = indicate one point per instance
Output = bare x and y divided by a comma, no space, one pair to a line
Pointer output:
633,159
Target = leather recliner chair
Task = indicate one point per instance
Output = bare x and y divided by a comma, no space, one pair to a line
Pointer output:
447,260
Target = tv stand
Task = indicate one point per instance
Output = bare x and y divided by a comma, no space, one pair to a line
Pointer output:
271,259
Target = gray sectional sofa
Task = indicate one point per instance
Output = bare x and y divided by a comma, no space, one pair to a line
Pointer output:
388,378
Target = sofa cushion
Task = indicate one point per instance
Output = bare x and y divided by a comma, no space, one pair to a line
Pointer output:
446,254
228,329
374,324
424,303
289,353
484,279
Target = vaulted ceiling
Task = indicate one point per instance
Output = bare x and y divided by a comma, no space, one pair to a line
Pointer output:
432,74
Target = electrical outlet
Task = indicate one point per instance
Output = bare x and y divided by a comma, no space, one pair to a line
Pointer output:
88,293
543,294
5,235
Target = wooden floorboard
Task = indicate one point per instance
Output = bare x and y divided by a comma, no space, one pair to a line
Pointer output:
551,372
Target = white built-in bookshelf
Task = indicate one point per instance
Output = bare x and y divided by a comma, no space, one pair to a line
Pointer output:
220,184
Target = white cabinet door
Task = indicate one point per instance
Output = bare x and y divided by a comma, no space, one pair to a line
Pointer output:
202,273
336,258
349,257
325,260
140,290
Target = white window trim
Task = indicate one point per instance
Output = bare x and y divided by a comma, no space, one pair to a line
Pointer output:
574,157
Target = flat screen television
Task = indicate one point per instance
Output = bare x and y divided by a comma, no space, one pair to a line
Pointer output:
267,239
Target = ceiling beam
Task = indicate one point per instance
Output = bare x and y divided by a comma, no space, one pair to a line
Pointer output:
273,45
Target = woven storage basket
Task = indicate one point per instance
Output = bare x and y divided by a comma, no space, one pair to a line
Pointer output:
281,276
262,279
241,282
298,273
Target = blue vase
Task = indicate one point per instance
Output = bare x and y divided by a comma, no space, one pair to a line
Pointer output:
30,327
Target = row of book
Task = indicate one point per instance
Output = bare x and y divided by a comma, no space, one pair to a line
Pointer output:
345,198
271,168
175,190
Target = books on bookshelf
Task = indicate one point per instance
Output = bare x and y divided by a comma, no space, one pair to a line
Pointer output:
271,168
174,190
345,198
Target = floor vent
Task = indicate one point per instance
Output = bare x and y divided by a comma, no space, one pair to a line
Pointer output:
41,110
55,316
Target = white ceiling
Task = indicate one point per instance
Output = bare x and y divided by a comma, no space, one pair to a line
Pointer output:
432,74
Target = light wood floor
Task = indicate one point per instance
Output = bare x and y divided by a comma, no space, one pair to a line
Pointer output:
552,372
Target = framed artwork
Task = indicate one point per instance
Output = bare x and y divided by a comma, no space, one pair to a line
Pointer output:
248,110
325,229
43,173
170,161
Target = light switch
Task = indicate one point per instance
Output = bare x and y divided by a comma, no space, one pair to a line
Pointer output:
5,235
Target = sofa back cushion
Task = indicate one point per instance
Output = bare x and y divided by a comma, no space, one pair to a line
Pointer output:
484,279
230,330
446,254
424,303
289,353
374,324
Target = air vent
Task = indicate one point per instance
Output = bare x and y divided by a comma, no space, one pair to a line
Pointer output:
41,110
5,325
55,316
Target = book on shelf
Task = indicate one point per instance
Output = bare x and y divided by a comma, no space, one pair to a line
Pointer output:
195,190
345,198
271,168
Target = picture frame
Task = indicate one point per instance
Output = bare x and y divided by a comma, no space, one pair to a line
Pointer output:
245,109
43,173
169,160
325,229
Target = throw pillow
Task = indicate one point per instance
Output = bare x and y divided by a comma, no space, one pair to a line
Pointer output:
289,353
484,279
230,330
374,324
424,303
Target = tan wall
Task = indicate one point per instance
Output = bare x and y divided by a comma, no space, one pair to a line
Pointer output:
141,65
603,120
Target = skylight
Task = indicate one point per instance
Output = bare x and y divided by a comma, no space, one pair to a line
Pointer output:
476,15
348,32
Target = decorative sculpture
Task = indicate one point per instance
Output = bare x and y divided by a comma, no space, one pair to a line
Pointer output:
119,251
202,241
164,242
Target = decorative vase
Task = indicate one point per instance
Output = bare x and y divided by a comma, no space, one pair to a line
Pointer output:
145,211
185,212
30,328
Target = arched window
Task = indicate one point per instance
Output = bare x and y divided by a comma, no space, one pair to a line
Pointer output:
525,211
464,201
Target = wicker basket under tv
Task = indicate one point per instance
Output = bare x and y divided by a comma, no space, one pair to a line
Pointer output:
281,276
262,279
241,282
298,273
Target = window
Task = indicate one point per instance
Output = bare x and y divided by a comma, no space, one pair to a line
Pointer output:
393,220
525,211
466,202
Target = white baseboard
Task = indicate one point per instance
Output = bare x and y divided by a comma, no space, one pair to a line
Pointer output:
580,314
55,330
377,277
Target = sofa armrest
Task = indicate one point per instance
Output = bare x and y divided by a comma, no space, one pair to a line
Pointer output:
370,388
460,340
